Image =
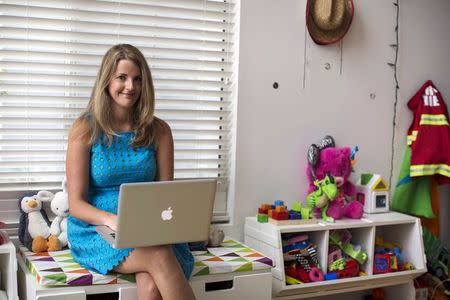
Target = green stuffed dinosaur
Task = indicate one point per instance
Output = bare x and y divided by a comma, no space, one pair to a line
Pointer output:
325,191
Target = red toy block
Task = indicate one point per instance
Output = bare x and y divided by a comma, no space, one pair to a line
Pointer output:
280,215
381,263
262,211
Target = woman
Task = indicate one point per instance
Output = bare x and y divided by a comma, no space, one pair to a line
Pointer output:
119,140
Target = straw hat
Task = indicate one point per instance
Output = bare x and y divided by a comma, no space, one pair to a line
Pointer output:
328,20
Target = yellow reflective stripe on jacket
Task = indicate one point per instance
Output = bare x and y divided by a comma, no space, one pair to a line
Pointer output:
412,137
422,170
427,119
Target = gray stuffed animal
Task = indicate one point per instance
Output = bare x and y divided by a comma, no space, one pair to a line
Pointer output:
216,236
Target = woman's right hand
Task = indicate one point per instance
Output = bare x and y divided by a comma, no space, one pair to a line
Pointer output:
111,221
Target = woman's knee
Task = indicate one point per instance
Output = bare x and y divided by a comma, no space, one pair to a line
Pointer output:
158,257
157,253
147,288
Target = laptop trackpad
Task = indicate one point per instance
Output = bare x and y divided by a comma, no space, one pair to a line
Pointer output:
107,233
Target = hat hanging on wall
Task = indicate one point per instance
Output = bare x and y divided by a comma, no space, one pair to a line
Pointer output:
328,20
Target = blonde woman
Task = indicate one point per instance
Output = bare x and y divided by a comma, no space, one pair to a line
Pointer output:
118,139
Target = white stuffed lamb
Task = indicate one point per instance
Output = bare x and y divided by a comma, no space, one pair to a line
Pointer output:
34,230
60,207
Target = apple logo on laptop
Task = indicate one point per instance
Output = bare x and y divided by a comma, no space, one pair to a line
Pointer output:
166,214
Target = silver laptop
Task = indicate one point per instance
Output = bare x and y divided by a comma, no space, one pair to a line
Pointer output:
162,212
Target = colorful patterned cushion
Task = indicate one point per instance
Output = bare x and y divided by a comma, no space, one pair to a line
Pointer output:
59,268
229,257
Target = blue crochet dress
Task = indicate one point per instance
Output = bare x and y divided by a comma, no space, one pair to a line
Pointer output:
110,167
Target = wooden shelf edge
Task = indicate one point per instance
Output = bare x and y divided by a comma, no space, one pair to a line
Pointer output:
349,286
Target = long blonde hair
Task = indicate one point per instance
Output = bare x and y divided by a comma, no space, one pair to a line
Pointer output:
99,113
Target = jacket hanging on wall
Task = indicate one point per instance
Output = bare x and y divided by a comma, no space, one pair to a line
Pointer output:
427,154
429,135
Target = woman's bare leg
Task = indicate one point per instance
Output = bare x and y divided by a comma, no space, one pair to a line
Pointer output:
146,287
162,265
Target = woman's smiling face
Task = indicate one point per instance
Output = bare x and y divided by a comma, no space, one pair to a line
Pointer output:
125,85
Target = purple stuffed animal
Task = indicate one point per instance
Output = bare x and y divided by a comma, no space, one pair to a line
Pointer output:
336,161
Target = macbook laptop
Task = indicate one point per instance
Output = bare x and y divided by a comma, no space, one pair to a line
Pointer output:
162,212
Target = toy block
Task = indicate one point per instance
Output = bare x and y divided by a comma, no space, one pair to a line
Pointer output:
280,209
278,203
283,215
266,206
280,215
331,276
262,211
381,263
293,215
262,218
275,215
270,213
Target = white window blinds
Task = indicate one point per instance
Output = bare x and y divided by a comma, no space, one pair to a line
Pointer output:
50,52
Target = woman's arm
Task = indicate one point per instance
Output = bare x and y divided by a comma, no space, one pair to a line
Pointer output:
164,153
77,172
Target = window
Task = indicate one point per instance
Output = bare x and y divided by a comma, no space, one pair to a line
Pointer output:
50,52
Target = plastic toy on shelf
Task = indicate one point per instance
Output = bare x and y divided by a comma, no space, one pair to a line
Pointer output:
324,192
342,239
344,258
300,259
388,258
373,192
279,214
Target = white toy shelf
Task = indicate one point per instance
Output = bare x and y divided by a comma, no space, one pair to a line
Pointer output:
392,226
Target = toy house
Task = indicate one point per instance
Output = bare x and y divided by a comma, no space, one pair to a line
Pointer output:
373,192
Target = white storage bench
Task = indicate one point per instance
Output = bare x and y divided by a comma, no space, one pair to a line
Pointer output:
230,271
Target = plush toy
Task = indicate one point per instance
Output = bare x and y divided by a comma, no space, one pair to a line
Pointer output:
327,159
325,191
60,207
216,236
34,226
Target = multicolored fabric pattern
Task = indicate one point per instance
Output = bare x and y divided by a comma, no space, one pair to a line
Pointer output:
58,268
230,257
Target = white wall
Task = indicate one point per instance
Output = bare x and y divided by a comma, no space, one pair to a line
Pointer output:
276,126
